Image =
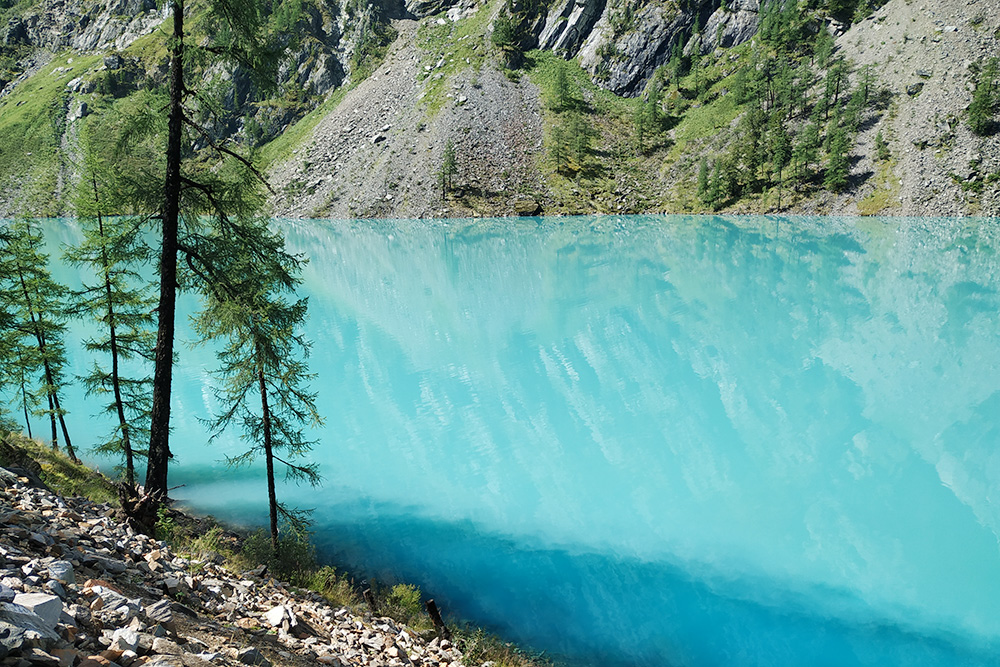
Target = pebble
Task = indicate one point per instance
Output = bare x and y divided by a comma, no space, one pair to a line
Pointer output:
120,617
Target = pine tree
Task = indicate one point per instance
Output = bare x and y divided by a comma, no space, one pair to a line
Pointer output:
838,161
703,176
263,369
559,146
823,47
119,300
561,91
35,302
806,150
780,149
581,137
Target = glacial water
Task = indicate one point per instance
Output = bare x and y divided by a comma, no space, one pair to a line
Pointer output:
651,441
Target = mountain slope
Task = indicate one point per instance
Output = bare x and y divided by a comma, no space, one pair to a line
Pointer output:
925,54
356,131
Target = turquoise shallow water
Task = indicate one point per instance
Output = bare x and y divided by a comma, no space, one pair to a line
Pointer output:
654,440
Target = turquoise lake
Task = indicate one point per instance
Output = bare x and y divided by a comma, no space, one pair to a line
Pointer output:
649,441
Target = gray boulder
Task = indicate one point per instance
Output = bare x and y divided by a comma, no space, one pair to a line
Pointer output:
47,607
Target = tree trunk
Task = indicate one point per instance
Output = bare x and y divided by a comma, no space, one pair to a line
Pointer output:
52,419
62,423
115,383
272,499
24,403
159,432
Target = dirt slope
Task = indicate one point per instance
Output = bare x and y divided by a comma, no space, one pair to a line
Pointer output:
377,154
922,51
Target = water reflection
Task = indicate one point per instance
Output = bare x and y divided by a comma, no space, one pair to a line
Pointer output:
683,440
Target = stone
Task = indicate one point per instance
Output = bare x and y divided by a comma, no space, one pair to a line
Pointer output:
165,661
125,639
57,588
94,661
162,613
12,638
66,656
37,656
251,656
47,607
164,646
192,660
41,539
275,616
7,594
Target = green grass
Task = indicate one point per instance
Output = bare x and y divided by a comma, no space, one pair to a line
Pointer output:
32,120
56,469
454,42
281,147
886,192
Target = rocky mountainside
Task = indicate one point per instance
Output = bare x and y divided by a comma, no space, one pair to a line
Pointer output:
78,589
370,97
924,53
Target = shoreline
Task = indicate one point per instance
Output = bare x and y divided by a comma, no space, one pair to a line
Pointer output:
99,581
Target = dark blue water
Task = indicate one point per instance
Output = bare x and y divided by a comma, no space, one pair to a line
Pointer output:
655,440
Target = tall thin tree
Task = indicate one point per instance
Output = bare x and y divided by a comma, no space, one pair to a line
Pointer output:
38,303
263,368
119,300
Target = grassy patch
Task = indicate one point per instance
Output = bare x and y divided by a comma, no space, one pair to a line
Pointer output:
56,469
32,121
481,647
447,49
886,192
281,147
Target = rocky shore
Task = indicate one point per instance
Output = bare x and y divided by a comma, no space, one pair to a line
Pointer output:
78,589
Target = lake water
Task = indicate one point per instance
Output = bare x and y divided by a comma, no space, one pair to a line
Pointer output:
652,440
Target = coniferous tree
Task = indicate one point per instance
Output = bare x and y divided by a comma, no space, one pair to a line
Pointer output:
838,161
263,369
780,149
823,47
703,176
562,93
806,150
217,190
559,146
581,137
449,168
120,301
35,302
717,185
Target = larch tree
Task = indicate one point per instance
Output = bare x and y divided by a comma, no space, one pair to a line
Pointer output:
253,315
35,302
119,299
449,168
213,192
985,99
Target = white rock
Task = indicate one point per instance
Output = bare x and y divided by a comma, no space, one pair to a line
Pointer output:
275,616
124,639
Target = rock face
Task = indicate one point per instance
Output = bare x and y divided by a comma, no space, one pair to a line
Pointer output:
60,24
120,617
731,26
622,50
